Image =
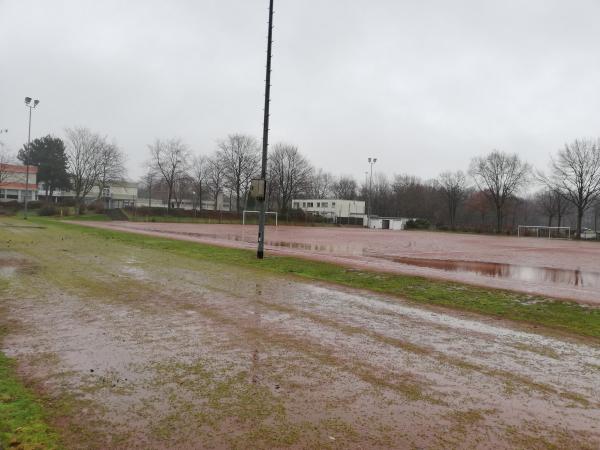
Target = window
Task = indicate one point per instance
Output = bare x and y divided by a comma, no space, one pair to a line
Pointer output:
325,205
309,204
106,192
296,205
304,204
333,204
318,204
12,194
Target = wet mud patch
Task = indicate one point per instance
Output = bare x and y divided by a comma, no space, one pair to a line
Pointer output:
12,266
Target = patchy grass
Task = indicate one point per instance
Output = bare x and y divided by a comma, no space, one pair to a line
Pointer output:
561,315
22,420
87,217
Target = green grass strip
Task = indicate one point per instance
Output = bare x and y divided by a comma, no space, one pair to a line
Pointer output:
561,315
22,420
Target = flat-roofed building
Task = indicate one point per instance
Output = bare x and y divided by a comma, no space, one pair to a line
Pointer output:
332,208
14,183
119,194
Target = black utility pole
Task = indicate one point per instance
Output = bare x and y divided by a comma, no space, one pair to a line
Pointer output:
265,143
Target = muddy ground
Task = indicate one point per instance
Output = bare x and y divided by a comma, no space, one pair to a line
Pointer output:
136,348
550,267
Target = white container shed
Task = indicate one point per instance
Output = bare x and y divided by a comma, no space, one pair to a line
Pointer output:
385,223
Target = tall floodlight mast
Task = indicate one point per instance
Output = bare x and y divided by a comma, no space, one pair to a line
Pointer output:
265,144
31,106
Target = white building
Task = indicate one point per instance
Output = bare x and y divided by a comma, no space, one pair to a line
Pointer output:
331,208
14,183
118,195
223,204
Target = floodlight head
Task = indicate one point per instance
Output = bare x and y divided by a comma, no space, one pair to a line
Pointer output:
369,159
35,103
27,100
374,160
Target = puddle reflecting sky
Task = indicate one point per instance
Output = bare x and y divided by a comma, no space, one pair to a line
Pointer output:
508,271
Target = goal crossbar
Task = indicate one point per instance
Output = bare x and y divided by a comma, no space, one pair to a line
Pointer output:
258,212
544,231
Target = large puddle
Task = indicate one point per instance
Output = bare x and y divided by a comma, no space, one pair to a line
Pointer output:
508,271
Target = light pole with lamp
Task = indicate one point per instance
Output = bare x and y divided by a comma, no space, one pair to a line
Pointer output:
371,162
28,152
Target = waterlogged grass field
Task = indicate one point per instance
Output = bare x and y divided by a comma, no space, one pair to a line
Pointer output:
550,313
119,340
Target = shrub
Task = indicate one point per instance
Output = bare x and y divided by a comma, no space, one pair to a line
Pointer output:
35,204
418,224
96,206
48,210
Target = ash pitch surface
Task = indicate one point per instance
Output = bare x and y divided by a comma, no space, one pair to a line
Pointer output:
554,268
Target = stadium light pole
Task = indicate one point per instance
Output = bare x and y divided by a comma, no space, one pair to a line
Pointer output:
31,106
260,253
371,162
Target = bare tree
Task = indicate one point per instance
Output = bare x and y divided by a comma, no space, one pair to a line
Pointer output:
552,203
240,155
575,173
215,177
112,166
289,172
500,176
199,175
4,161
149,181
596,216
478,203
545,201
454,187
84,152
170,159
321,184
345,188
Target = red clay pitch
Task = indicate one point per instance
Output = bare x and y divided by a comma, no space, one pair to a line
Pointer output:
555,268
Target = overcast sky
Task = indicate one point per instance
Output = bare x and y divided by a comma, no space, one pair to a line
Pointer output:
422,85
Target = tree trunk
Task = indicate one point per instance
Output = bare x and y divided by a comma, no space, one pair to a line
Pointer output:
169,200
579,221
498,220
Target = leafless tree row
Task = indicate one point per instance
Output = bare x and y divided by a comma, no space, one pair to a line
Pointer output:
229,170
492,194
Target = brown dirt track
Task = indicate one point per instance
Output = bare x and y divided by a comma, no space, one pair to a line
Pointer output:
554,268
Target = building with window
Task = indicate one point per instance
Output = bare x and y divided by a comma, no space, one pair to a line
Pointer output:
334,209
120,194
14,184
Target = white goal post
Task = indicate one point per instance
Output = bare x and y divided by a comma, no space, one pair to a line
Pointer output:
258,212
544,231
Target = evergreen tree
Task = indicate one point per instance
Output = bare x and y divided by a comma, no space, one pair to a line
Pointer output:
49,156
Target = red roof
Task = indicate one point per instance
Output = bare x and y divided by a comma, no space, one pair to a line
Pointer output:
13,168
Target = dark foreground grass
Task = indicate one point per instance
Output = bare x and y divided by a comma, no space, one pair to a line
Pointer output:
564,316
22,420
